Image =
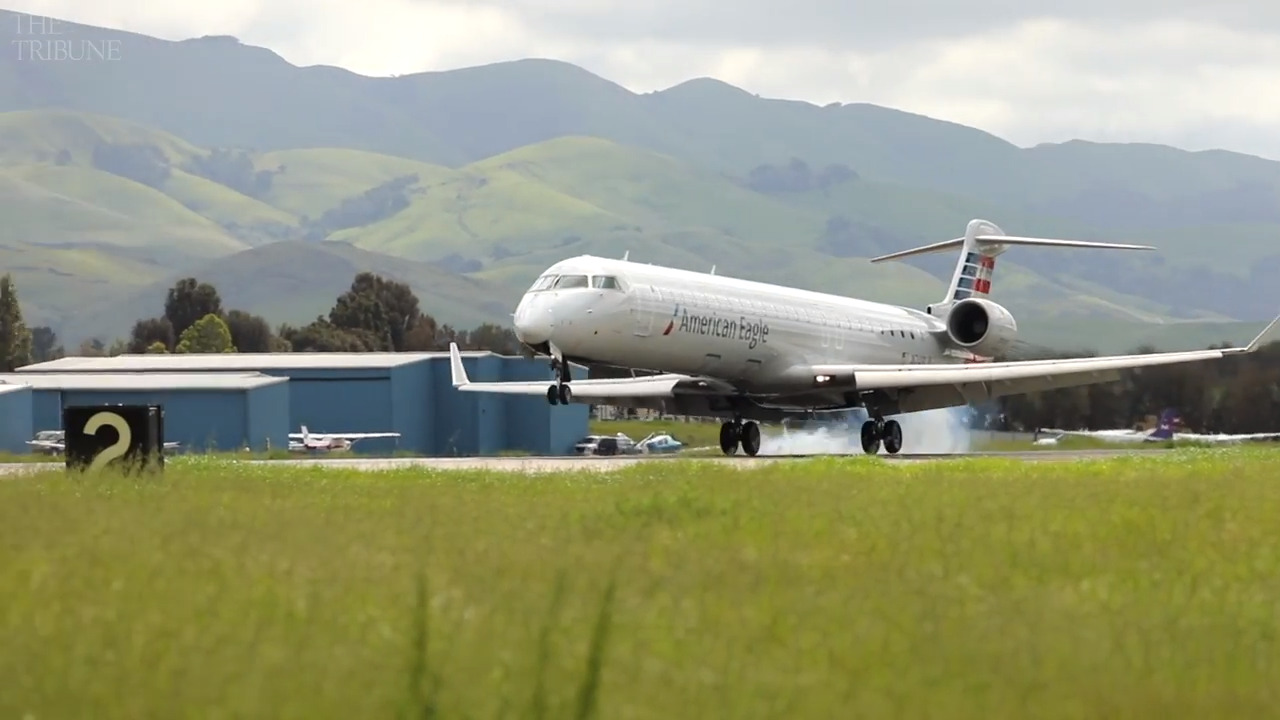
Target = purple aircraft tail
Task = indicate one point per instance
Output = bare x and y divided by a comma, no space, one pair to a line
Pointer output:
1165,426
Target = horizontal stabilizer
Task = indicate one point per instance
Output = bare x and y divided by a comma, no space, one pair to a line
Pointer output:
988,240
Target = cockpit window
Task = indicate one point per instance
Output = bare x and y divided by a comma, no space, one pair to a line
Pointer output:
604,282
543,283
571,281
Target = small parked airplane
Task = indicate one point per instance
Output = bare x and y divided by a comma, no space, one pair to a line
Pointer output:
53,442
752,351
307,440
1164,431
658,443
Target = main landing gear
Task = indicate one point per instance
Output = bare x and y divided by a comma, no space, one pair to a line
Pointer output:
735,433
876,430
559,392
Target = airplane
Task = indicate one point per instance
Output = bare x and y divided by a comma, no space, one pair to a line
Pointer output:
1163,432
307,440
53,442
717,346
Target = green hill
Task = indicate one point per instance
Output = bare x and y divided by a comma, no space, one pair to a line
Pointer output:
58,283
43,135
317,179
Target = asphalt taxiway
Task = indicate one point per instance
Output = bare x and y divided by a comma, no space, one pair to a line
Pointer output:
598,463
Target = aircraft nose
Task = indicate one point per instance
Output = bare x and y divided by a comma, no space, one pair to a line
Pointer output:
533,323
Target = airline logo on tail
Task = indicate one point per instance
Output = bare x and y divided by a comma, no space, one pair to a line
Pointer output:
1165,426
975,276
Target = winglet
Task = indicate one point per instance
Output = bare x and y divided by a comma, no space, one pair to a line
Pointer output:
456,368
1262,336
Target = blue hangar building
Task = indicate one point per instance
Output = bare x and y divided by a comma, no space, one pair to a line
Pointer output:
15,418
202,411
408,393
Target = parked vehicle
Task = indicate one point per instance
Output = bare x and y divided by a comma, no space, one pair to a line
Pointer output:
619,444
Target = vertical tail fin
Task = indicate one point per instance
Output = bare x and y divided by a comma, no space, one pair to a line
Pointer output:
982,243
306,435
1165,425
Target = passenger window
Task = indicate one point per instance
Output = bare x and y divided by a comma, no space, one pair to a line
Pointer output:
571,281
604,282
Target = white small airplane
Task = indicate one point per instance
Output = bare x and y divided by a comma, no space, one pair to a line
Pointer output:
1164,431
53,442
659,443
307,440
752,351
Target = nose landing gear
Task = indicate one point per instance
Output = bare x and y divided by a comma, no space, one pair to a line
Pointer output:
735,433
558,393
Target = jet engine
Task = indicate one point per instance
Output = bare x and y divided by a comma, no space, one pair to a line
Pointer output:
982,327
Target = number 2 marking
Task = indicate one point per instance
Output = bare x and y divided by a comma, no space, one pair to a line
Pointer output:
118,448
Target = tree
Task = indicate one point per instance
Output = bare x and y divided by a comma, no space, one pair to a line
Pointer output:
151,331
250,333
157,348
189,301
385,308
494,338
323,336
422,336
15,338
92,347
44,345
209,334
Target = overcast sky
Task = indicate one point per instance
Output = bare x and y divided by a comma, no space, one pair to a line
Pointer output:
1192,74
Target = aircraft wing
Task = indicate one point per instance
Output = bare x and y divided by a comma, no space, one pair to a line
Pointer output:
346,436
932,386
653,386
1196,437
1117,435
362,436
1111,436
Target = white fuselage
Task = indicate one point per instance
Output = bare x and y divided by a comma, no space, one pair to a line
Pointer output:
649,317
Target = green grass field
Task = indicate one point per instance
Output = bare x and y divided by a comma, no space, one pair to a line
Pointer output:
1133,587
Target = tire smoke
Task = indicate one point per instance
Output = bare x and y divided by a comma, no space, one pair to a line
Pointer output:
943,431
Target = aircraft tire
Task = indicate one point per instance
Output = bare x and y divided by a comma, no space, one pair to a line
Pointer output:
729,437
566,395
750,434
870,438
553,395
892,435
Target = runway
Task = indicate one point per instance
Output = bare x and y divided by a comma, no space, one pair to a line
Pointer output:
604,464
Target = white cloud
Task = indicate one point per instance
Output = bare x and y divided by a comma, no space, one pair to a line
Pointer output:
1133,71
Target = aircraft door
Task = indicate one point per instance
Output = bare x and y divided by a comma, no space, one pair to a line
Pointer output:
642,305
